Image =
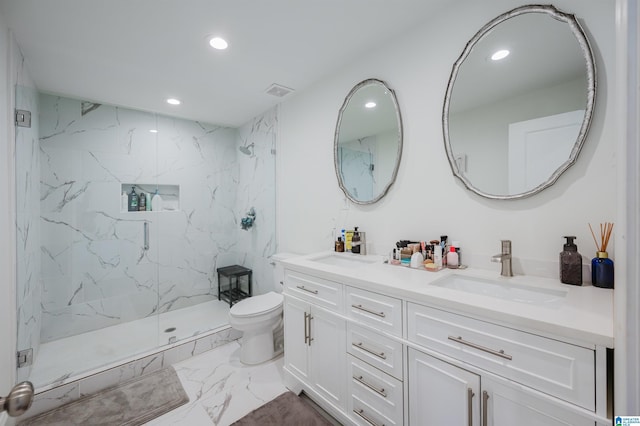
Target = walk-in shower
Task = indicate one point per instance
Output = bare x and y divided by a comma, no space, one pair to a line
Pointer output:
99,283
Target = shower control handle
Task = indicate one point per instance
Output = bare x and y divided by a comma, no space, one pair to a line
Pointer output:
146,236
19,399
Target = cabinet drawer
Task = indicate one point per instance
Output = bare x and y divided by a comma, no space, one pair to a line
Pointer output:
377,394
381,312
321,292
375,349
560,369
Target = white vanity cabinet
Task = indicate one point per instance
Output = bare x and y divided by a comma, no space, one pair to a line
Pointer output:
516,378
314,336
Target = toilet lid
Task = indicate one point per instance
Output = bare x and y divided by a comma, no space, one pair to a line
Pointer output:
257,305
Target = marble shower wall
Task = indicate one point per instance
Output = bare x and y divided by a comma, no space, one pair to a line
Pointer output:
256,188
28,275
96,271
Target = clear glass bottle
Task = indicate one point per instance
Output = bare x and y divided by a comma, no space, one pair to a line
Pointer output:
602,270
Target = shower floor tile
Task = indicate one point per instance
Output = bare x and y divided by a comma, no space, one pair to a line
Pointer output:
221,389
82,354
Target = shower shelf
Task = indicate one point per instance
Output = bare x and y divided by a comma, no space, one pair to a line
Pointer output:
170,195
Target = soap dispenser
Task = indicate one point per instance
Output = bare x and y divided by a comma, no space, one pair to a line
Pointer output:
570,263
355,241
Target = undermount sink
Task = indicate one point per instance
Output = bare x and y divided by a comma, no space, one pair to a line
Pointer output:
345,260
503,290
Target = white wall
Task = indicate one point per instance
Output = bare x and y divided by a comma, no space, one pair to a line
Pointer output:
426,200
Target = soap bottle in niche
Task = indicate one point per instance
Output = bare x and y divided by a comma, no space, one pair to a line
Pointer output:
148,201
133,200
570,263
142,202
124,201
156,202
355,241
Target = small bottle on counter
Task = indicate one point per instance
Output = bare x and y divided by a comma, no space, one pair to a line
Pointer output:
340,245
452,258
570,263
355,241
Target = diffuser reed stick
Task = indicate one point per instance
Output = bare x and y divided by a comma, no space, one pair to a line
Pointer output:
605,235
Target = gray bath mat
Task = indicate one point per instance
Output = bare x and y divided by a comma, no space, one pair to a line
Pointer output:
134,402
286,410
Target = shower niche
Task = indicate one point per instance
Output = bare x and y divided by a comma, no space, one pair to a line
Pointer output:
169,196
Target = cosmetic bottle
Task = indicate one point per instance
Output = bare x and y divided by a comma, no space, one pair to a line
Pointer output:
132,202
452,258
456,244
602,270
142,202
355,241
156,202
570,263
340,245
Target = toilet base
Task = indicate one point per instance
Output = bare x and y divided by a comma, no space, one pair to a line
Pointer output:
257,348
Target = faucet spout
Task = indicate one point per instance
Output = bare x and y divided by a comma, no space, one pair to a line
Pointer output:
504,258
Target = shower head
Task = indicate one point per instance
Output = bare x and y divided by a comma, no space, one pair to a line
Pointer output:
246,149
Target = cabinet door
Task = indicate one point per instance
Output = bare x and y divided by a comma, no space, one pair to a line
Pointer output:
328,355
441,393
296,358
508,405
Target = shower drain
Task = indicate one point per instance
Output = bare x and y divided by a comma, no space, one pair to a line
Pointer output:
170,329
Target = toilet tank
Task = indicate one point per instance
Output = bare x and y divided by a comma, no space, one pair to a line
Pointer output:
278,270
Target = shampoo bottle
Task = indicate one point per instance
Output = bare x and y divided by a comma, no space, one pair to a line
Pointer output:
142,202
133,200
124,201
156,202
570,263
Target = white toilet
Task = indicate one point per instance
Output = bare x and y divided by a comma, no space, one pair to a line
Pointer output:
260,320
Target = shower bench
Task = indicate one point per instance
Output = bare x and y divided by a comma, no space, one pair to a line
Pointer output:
235,276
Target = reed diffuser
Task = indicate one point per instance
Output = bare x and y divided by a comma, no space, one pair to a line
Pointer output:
601,265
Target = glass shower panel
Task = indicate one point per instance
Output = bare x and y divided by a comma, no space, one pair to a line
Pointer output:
95,276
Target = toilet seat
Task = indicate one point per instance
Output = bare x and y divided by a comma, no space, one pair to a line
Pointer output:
257,305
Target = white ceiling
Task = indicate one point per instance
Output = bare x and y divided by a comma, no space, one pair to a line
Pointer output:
136,53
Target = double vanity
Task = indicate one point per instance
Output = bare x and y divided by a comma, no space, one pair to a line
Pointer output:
379,344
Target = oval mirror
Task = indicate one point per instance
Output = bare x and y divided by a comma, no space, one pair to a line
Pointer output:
519,103
368,142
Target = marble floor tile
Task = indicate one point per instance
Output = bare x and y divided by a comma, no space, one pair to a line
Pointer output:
221,389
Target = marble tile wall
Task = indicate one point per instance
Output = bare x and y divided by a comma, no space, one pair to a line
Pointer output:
96,271
28,277
256,188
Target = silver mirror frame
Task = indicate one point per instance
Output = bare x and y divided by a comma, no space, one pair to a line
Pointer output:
392,94
582,40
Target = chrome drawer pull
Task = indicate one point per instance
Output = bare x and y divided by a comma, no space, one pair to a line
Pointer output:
360,345
366,418
499,353
362,308
359,379
301,287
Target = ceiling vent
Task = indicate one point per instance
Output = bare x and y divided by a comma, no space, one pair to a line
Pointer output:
278,90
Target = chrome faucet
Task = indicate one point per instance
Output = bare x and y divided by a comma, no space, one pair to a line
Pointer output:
504,258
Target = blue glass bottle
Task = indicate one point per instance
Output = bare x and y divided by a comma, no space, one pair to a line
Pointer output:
602,270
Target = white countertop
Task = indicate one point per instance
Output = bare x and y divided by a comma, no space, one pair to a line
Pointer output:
585,315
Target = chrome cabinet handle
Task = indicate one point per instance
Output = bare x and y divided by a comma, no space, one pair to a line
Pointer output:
309,319
19,399
306,328
146,236
366,418
301,287
360,345
499,353
485,398
380,391
362,308
470,396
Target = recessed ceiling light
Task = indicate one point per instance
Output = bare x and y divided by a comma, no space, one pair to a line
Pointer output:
173,101
153,131
370,104
500,54
218,43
